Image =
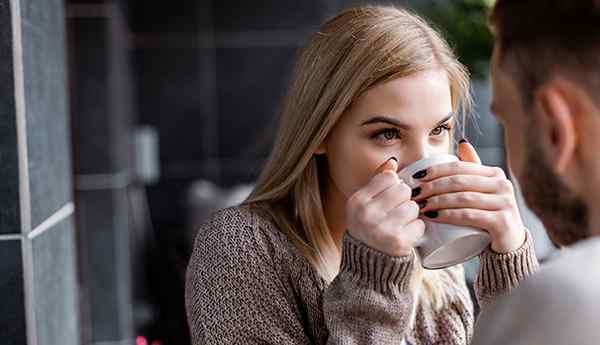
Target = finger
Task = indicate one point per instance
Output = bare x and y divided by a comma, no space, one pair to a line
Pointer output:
391,197
384,177
482,201
467,153
462,183
480,219
458,168
391,164
404,214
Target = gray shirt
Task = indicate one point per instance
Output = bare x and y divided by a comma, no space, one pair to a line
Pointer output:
558,305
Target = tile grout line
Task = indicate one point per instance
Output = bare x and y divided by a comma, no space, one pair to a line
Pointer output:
24,188
54,219
10,237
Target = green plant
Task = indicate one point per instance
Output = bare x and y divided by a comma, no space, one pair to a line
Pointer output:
464,24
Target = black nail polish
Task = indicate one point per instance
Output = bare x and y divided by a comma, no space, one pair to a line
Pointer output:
422,204
420,174
463,140
431,214
416,191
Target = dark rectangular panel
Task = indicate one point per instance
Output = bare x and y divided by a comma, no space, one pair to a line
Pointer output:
103,223
270,14
12,317
9,174
250,96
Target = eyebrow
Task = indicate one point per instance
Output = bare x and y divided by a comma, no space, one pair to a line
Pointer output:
394,122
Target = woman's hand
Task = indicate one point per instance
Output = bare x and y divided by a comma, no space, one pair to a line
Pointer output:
382,216
468,193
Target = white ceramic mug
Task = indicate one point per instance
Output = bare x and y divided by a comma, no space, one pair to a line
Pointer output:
444,245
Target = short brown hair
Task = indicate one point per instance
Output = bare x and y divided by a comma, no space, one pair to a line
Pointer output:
543,37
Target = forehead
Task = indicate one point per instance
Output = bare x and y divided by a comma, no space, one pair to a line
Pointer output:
422,93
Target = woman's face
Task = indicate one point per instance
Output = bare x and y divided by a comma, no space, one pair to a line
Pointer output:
408,118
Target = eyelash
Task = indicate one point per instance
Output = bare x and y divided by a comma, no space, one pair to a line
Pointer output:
444,127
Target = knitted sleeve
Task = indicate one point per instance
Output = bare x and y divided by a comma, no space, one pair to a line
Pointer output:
452,322
500,273
369,302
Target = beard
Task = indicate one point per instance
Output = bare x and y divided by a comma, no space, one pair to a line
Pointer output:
562,211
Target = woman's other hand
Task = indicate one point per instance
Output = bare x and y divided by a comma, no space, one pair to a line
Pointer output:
468,193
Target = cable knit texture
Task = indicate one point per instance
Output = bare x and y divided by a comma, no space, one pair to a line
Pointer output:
247,284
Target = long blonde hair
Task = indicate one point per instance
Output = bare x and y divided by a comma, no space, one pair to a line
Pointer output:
356,50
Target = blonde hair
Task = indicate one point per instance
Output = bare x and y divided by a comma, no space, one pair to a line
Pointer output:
356,50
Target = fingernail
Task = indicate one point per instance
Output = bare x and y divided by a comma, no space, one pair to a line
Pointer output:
420,174
463,140
394,158
415,192
422,204
431,214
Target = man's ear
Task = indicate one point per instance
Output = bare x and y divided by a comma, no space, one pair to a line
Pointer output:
557,102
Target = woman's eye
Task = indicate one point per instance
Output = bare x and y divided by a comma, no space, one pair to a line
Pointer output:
387,134
440,130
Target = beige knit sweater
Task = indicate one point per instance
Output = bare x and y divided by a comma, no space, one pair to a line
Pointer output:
247,284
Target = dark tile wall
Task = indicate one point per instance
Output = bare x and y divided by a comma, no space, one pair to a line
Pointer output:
46,105
9,209
38,286
102,217
91,101
56,293
12,318
211,77
176,105
235,15
184,18
249,94
102,118
95,109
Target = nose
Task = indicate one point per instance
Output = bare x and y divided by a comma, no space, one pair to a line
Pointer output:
420,151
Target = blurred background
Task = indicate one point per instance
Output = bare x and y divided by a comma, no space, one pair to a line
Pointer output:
125,123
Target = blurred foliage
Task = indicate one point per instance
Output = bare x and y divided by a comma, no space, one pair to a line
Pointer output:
464,24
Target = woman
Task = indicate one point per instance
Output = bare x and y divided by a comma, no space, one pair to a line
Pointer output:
322,251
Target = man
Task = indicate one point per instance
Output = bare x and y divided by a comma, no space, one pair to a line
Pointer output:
546,93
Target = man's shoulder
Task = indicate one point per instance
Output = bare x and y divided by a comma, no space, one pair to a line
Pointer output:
577,268
557,305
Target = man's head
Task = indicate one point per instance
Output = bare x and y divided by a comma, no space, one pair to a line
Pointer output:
546,81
